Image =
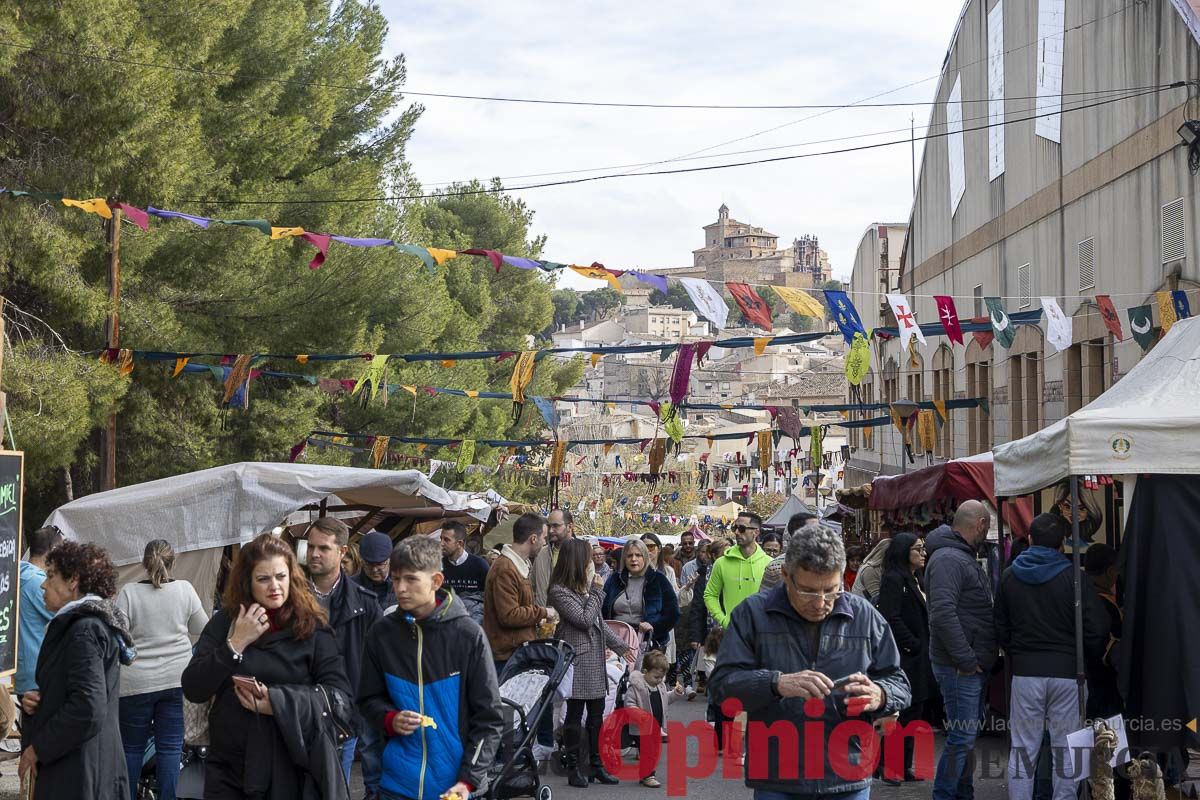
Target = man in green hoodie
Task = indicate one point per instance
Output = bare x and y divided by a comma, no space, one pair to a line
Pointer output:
737,574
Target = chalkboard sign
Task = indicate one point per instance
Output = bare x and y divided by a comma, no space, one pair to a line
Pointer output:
12,491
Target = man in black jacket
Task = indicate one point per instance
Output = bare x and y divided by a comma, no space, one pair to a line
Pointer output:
962,640
352,609
1035,623
376,551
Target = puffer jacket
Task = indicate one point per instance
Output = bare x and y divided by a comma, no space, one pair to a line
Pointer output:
962,633
440,666
766,638
660,607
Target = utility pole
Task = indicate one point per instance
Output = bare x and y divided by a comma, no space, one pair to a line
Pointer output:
112,331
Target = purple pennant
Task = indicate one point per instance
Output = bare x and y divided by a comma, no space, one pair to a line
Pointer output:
657,281
682,374
363,242
203,222
522,263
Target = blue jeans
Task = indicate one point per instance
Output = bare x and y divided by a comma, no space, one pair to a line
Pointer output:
348,757
163,711
370,749
861,794
963,697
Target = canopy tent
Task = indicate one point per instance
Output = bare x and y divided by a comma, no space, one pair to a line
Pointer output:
779,520
728,511
201,512
1136,427
969,478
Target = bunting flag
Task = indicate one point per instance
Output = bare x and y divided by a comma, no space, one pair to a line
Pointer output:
1141,322
549,412
788,419
844,314
522,263
136,215
237,377
799,301
681,375
764,450
672,422
447,363
816,446
760,344
286,233
1109,315
1179,299
375,376
940,407
1166,311
421,253
125,361
868,435
858,360
1001,324
658,455
379,450
491,255
905,320
466,455
596,359
180,363
96,205
297,451
598,272
948,315
522,376
657,281
983,337
363,241
927,431
1058,325
702,349
260,225
754,308
607,447
708,301
321,242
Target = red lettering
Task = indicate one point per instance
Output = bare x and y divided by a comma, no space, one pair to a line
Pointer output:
732,737
650,743
787,756
921,733
839,750
678,769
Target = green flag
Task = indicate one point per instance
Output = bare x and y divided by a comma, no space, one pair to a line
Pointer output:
1001,324
1141,322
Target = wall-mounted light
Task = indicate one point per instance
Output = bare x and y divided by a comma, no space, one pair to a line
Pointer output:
1189,132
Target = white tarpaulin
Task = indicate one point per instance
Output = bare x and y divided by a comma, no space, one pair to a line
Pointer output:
234,503
1149,422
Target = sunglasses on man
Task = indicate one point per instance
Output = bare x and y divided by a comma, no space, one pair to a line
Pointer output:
743,528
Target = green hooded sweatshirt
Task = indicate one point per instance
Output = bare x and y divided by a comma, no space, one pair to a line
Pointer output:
734,578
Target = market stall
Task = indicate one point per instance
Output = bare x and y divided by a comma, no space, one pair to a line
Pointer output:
1147,429
201,513
778,521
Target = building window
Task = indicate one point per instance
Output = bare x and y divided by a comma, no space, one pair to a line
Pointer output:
1087,372
1087,264
1025,383
1174,232
979,385
1024,286
943,390
977,292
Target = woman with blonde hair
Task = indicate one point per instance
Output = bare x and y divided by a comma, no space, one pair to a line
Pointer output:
164,614
642,596
270,663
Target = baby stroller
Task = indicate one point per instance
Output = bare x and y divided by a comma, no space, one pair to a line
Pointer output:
527,685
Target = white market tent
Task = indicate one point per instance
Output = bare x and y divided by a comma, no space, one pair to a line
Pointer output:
1143,424
201,512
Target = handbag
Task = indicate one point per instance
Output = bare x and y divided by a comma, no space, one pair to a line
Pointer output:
195,722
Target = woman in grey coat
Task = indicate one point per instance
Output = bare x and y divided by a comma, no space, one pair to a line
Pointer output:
578,597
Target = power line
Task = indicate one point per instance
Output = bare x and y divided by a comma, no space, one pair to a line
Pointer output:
707,168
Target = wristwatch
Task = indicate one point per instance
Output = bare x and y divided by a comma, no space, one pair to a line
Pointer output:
775,684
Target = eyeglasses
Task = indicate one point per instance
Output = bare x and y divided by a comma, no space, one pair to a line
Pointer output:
818,597
651,546
743,528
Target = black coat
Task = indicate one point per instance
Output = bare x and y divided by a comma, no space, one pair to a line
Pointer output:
76,731
353,609
903,605
660,605
276,659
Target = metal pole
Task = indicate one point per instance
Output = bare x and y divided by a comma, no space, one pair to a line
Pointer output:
1080,675
112,331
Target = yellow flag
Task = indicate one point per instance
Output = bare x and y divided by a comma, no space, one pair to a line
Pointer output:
441,256
869,437
421,448
96,205
1166,309
180,363
448,362
283,233
302,359
801,302
379,450
927,430
845,414
607,446
596,358
858,360
125,360
940,405
760,344
764,450
599,273
410,389
472,393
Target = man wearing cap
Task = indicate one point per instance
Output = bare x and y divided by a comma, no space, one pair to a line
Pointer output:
376,551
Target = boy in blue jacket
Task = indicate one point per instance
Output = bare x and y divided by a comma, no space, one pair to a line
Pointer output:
429,685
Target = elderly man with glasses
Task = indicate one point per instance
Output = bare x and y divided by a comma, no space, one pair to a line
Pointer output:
808,642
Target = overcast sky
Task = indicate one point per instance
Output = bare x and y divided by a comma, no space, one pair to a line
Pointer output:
675,52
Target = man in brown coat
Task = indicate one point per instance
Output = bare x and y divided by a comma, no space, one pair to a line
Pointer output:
510,617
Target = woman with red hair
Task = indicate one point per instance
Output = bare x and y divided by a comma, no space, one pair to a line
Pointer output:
261,656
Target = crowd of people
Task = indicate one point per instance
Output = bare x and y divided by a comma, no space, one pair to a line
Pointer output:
392,653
